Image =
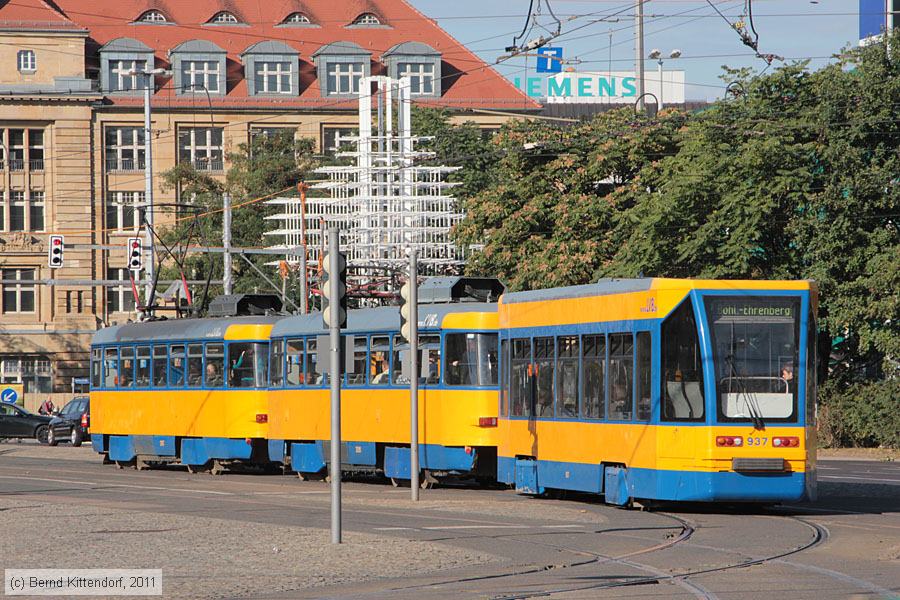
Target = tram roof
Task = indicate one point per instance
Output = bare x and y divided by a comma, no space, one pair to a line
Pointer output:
610,286
382,318
176,329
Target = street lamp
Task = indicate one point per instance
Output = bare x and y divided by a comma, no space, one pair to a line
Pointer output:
148,172
656,54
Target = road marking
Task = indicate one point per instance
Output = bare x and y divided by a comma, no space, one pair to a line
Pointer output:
165,489
858,478
561,526
47,479
393,528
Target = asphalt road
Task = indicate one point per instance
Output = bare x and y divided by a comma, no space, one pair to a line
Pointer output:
847,544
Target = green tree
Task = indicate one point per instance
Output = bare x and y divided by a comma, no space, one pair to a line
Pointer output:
267,166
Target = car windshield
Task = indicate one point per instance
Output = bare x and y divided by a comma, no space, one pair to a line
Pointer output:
755,343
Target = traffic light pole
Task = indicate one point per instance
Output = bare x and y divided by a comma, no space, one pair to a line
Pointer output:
148,188
414,376
334,466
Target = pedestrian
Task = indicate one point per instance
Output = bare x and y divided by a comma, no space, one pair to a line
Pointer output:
46,407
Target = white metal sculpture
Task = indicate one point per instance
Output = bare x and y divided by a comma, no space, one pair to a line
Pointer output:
384,203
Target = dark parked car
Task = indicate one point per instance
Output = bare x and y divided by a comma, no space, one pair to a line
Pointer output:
16,422
71,423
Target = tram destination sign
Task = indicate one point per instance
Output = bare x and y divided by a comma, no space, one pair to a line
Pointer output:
742,309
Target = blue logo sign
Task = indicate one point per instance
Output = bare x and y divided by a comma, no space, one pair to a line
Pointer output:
549,60
9,396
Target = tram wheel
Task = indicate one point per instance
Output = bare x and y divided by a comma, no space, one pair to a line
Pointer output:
395,482
141,465
194,469
217,468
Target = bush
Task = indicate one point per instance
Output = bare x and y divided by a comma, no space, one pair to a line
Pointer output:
862,415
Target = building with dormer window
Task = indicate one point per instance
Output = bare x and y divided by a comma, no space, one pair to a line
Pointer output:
71,127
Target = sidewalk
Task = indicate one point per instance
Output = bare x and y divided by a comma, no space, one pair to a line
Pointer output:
876,454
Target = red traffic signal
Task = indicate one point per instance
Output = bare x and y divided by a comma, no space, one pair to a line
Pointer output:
55,251
135,254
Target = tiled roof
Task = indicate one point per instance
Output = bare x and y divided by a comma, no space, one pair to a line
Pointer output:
34,15
468,81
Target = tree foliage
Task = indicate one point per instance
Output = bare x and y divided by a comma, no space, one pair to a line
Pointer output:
267,165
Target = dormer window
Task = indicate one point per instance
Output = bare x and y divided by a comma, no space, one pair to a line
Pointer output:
419,63
121,61
224,18
272,68
199,68
26,61
297,19
367,19
152,16
340,67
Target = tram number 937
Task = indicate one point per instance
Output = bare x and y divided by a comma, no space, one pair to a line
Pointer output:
757,441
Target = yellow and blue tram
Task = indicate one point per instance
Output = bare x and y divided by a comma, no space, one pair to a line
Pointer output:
660,389
192,391
457,393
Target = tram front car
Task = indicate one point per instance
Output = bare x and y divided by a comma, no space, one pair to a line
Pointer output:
729,398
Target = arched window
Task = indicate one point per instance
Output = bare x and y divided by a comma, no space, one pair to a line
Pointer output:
297,19
224,18
366,19
152,16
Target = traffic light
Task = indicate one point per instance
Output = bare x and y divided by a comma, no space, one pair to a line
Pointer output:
55,251
135,254
340,302
405,311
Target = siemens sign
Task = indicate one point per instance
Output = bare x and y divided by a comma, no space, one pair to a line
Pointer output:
617,87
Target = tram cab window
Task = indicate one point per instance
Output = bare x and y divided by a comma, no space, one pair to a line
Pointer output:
379,360
471,359
593,392
567,377
176,366
142,376
293,374
755,342
96,365
247,365
126,367
195,365
111,368
621,376
643,376
504,378
360,360
276,365
215,365
160,363
400,351
682,366
520,387
543,375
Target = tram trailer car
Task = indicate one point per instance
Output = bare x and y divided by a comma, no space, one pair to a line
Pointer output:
192,391
661,389
457,388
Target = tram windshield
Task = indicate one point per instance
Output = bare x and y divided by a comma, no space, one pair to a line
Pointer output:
755,348
471,359
247,365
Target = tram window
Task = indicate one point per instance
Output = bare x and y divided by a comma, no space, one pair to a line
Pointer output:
643,375
543,370
682,381
313,377
293,370
96,355
430,358
176,366
400,350
195,365
471,359
111,368
215,365
567,377
520,387
142,378
379,360
247,365
812,368
360,356
126,367
504,379
276,367
594,385
160,360
621,367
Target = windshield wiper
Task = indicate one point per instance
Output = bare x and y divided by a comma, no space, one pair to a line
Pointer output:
749,399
